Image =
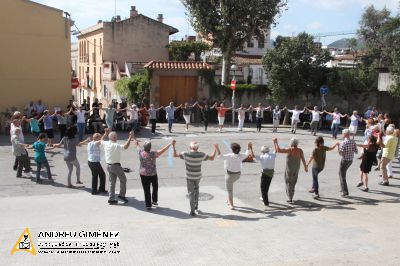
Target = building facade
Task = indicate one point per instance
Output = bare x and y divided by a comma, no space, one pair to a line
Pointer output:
35,54
105,48
248,60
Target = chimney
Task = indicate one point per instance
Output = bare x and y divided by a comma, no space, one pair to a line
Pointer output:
134,12
160,18
118,18
99,21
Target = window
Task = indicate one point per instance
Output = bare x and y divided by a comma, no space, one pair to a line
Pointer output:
87,52
260,75
94,52
94,78
250,44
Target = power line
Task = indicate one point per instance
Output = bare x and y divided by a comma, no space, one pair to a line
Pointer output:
335,33
85,37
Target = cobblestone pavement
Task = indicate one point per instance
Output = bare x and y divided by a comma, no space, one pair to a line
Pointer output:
359,230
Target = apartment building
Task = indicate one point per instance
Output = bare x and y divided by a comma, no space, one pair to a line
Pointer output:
106,48
35,55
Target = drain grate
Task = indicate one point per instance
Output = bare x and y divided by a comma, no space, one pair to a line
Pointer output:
203,196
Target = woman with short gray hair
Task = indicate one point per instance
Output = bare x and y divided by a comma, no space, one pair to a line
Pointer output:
294,155
148,171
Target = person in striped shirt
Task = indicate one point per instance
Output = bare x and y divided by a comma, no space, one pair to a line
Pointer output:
193,161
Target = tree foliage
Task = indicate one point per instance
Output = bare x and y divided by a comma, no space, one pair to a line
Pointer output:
350,83
229,24
381,33
182,50
295,67
133,88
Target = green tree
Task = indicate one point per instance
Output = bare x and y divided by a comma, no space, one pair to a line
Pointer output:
371,30
295,67
350,83
353,43
229,24
182,50
134,88
381,33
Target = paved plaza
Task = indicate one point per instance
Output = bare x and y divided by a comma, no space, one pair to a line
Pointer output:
360,230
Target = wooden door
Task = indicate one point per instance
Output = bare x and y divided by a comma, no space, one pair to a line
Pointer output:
178,89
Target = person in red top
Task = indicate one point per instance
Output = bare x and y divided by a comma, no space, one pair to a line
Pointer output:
221,114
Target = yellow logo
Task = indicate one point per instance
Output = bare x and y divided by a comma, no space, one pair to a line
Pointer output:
24,243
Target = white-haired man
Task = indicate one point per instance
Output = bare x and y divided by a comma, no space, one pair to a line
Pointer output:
170,114
20,153
193,161
267,162
295,118
134,118
389,146
316,116
347,149
112,151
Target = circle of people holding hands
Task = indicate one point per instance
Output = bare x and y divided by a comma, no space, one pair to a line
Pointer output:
380,148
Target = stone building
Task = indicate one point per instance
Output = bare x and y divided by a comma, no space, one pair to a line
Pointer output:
105,49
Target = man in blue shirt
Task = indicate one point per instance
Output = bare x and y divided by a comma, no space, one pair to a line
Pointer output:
170,114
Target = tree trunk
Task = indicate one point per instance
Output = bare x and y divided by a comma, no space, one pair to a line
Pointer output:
226,62
286,118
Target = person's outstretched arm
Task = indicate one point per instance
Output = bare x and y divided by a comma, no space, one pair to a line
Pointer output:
163,149
211,157
303,160
310,160
277,148
128,141
175,154
334,146
251,151
86,141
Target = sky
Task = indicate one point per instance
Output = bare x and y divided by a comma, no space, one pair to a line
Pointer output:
312,16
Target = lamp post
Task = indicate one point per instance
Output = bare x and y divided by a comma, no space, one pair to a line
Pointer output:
233,68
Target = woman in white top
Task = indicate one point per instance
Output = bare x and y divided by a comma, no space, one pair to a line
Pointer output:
335,121
295,118
233,166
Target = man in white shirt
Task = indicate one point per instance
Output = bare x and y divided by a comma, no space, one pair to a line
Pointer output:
170,114
295,118
316,116
267,162
134,118
112,152
81,119
242,116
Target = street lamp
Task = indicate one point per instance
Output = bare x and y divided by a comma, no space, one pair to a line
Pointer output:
233,68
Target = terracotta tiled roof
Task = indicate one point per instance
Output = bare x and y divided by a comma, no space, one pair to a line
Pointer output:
184,65
240,59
